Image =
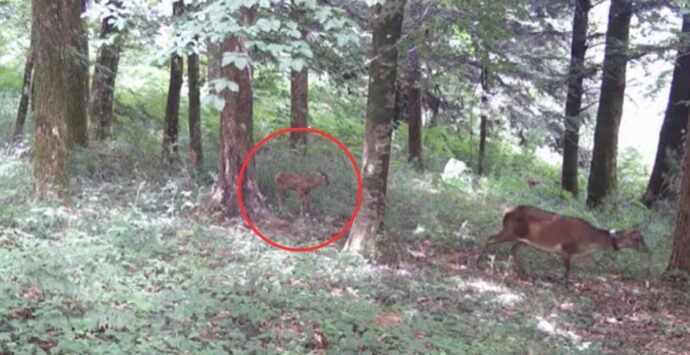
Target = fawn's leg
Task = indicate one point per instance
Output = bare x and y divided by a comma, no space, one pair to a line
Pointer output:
279,196
303,202
516,247
495,239
566,264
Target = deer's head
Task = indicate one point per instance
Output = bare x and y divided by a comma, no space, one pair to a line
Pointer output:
323,176
631,239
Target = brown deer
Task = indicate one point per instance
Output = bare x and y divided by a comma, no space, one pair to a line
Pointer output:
554,233
302,184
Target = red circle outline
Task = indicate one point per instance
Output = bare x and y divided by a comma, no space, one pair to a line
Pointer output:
332,139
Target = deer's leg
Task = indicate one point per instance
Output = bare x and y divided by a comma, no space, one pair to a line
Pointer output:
303,202
493,240
514,251
279,196
306,201
566,264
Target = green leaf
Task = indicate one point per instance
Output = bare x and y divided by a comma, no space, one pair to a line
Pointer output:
239,59
267,25
346,38
298,64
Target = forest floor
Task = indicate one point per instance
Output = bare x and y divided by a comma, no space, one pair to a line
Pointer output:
135,265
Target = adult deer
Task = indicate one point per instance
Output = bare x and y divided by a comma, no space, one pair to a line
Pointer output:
554,233
302,184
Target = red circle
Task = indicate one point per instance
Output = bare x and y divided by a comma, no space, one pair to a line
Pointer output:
332,139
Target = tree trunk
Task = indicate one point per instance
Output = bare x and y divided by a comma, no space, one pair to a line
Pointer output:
299,91
676,118
680,253
414,108
236,131
299,107
59,81
400,113
26,94
380,110
602,177
214,57
482,144
78,132
172,108
573,105
483,122
104,75
196,154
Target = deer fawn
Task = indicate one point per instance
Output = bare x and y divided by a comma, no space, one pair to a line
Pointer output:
553,233
302,184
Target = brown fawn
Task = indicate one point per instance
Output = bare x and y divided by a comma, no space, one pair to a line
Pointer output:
302,184
554,233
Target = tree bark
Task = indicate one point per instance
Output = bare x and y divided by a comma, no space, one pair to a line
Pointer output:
602,177
483,122
196,154
299,91
26,94
387,25
78,132
236,131
214,58
482,144
573,105
299,107
680,252
414,108
59,82
172,108
676,119
104,75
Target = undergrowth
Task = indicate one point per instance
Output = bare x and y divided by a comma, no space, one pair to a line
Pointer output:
136,265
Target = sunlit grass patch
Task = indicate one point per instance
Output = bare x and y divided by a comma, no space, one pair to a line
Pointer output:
491,290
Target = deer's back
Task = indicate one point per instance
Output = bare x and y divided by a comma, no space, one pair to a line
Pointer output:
553,232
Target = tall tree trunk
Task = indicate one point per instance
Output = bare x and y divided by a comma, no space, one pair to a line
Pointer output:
172,107
680,253
676,118
299,107
573,105
104,75
414,108
26,94
387,26
59,82
78,132
214,57
602,177
236,131
483,122
299,91
196,154
482,144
